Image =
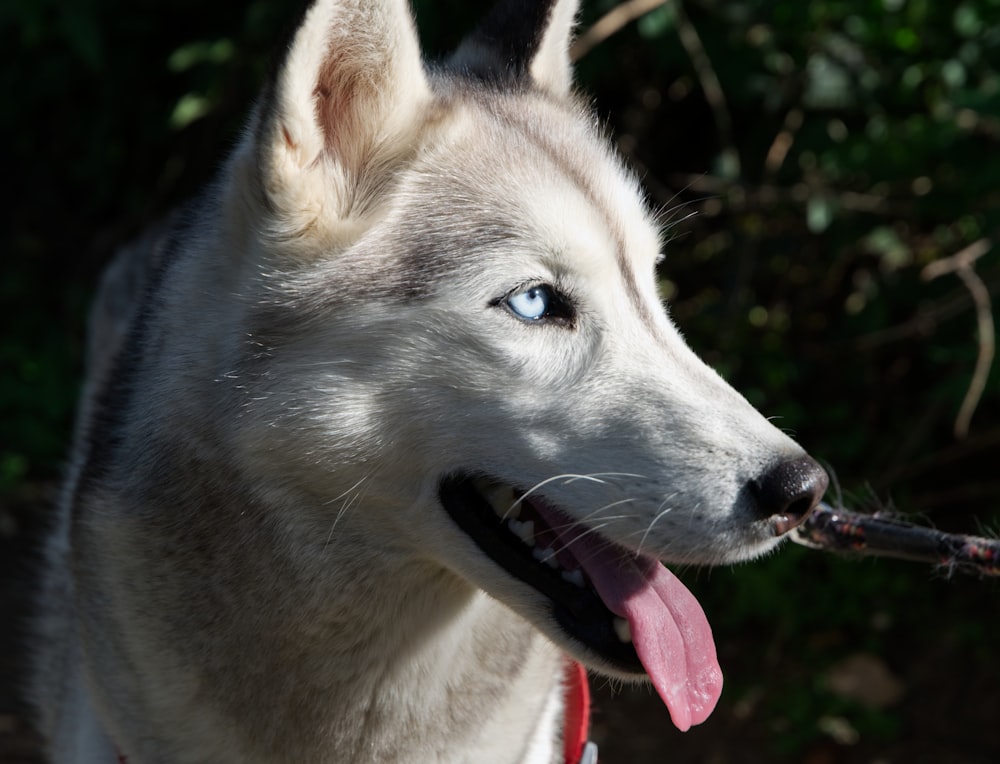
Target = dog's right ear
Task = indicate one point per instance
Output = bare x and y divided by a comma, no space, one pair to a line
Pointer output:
521,42
333,116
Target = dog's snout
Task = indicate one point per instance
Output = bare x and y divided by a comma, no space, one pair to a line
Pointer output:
789,491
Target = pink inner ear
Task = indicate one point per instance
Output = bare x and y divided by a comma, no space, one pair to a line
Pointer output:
336,97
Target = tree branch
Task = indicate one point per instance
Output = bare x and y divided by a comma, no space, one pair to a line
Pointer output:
961,264
611,23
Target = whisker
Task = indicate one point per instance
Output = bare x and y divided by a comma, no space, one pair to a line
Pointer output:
660,512
597,511
608,520
556,547
568,478
352,495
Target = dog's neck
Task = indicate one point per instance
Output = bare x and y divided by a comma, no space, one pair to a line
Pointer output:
463,671
449,693
430,669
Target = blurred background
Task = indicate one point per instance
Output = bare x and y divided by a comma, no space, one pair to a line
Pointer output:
830,171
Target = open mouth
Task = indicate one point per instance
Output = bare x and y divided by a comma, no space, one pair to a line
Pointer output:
625,608
514,534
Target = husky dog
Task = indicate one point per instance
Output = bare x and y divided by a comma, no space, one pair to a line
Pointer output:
389,423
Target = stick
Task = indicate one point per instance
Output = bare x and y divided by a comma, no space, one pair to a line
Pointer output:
839,530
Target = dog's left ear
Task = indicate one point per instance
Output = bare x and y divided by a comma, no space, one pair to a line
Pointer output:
520,42
333,119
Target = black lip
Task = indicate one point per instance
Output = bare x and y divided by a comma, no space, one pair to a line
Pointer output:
579,611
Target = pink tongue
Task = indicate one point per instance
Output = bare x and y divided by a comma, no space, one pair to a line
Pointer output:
669,630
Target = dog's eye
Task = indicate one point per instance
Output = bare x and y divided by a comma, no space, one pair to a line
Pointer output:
531,304
538,302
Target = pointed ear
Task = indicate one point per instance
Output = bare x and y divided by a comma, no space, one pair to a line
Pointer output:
522,41
349,92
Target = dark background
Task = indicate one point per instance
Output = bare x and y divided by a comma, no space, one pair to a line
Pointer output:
813,159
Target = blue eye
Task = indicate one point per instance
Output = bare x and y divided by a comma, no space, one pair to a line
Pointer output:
532,303
540,303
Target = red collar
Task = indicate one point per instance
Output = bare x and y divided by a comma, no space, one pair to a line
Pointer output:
576,714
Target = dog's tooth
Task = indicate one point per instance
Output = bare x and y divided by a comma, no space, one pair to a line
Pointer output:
575,577
545,555
527,532
512,507
502,499
524,531
622,629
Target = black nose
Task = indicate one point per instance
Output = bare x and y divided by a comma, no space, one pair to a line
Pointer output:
789,490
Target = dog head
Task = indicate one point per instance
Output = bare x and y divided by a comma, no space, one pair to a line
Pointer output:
449,281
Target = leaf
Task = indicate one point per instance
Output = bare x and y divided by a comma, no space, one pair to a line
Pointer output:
820,212
189,108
